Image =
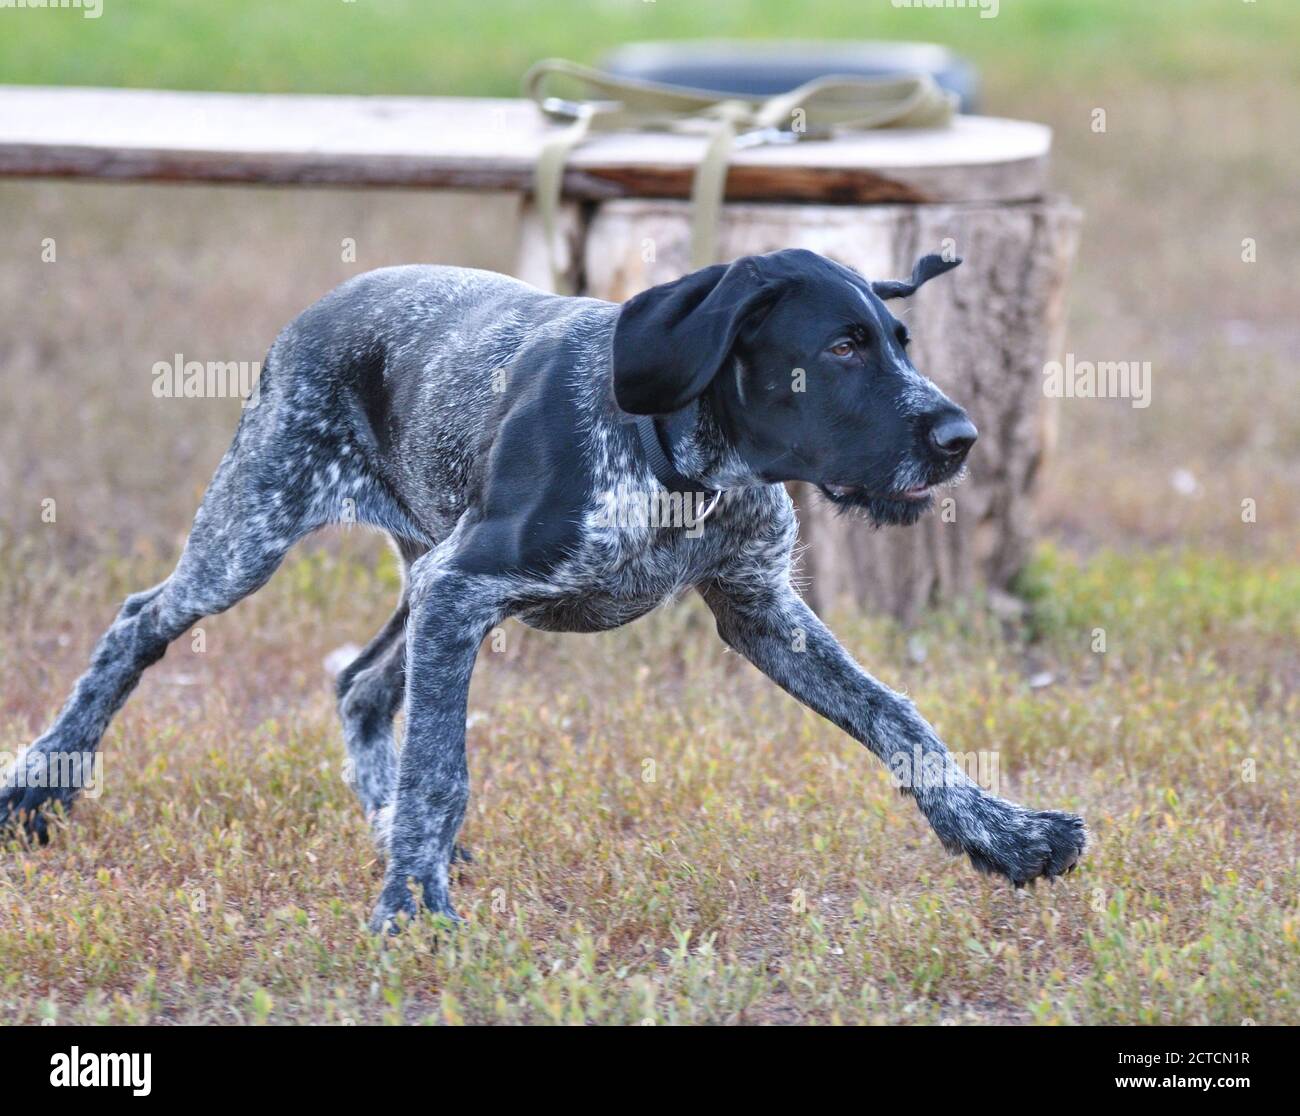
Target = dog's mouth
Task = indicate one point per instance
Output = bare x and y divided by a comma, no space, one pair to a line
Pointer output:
856,494
896,508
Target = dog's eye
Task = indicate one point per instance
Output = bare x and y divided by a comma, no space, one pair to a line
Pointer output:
903,336
842,349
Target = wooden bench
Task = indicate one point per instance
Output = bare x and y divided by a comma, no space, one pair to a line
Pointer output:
875,200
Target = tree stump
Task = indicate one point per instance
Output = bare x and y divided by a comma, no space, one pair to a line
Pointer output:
981,333
533,261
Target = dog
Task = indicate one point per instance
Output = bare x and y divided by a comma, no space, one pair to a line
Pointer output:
490,429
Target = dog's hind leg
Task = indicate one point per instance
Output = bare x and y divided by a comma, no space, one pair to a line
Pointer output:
248,519
370,690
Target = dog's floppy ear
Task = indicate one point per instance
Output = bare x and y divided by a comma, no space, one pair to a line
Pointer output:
671,340
927,267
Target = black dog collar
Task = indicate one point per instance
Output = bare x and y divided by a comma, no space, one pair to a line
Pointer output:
656,444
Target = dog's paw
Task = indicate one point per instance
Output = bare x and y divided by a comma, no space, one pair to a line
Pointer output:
21,814
1027,845
398,906
391,915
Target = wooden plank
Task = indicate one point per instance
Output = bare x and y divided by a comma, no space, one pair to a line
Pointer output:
466,143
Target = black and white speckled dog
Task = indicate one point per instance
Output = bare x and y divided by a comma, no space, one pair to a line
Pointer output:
490,429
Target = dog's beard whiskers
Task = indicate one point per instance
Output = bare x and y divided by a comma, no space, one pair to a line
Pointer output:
910,474
952,481
917,474
896,513
880,511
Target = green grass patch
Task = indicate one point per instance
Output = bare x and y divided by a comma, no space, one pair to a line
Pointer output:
1162,599
470,48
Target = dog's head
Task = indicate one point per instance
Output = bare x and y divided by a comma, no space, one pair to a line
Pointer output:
807,372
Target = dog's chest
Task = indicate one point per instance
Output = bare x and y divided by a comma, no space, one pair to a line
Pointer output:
621,574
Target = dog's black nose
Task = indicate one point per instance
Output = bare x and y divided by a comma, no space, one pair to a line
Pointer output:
952,437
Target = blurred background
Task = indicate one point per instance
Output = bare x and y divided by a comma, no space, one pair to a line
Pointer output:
1201,101
1184,912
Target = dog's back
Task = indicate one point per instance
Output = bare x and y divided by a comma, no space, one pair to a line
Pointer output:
417,367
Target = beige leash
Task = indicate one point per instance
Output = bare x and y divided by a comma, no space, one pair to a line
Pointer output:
815,110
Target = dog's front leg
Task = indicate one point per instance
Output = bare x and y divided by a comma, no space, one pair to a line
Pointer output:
773,628
451,612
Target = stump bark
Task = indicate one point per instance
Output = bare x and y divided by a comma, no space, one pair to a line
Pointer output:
982,334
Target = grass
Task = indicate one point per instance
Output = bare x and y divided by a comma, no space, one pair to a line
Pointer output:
673,840
677,841
467,47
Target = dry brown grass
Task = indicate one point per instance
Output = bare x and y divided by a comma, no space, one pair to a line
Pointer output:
673,839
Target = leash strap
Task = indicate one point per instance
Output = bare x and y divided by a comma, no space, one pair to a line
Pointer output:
815,110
